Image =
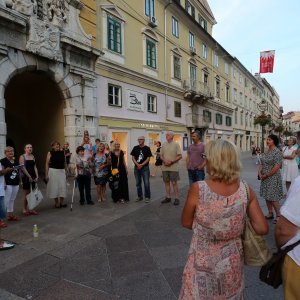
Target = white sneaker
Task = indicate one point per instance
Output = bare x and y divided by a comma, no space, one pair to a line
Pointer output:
5,245
147,200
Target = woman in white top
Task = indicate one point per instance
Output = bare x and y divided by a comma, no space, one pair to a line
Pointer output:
290,167
287,232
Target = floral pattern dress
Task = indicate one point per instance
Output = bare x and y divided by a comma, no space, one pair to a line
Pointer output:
271,187
215,264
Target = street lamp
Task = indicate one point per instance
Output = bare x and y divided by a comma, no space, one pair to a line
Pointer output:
262,120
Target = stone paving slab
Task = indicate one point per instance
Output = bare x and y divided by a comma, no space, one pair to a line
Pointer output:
109,251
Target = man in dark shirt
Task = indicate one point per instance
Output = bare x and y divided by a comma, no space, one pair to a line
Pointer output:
141,155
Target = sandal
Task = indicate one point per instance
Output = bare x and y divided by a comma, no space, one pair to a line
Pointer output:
33,212
276,220
2,224
26,213
13,218
5,245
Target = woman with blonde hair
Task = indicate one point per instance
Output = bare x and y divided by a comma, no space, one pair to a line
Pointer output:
12,181
215,210
30,176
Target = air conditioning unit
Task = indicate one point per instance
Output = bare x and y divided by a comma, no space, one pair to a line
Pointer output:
193,50
153,21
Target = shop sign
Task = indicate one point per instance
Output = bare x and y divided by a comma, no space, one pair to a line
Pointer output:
135,100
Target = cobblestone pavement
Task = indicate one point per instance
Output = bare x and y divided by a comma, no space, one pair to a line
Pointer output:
108,251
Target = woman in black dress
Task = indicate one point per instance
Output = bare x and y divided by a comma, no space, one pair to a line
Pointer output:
119,186
158,161
30,176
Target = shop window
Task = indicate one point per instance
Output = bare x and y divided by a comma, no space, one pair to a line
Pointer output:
114,95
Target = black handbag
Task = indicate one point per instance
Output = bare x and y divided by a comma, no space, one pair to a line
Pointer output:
271,272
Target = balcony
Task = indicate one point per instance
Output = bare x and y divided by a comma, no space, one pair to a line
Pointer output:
196,121
196,91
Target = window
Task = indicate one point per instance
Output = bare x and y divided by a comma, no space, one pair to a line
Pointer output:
193,75
216,60
114,35
177,109
228,121
219,119
191,40
149,8
207,116
205,79
235,117
151,103
242,118
241,99
114,95
177,67
241,78
190,8
203,22
175,27
235,95
234,73
217,87
246,120
204,51
151,53
227,92
226,68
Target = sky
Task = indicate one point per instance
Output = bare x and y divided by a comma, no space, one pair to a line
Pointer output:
245,28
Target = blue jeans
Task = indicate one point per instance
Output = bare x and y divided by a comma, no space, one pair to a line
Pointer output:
196,175
142,174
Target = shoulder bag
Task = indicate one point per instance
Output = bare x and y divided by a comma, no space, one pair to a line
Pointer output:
115,172
271,273
256,250
34,198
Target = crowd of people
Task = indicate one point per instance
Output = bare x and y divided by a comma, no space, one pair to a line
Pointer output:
216,207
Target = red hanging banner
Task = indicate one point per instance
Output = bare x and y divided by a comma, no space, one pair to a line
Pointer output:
267,61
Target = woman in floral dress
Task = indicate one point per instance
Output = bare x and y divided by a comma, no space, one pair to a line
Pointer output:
215,211
271,181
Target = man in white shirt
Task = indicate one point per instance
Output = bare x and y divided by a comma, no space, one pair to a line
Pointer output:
4,245
287,232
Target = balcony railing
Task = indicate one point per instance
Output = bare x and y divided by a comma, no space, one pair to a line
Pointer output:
197,121
197,87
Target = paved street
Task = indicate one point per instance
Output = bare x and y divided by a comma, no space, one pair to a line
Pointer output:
108,251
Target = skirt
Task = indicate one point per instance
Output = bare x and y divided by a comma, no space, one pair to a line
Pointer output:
57,184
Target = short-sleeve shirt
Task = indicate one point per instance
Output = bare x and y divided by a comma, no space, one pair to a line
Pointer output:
98,162
195,152
291,211
11,178
170,151
141,154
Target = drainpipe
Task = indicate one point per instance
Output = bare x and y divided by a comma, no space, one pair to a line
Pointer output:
165,56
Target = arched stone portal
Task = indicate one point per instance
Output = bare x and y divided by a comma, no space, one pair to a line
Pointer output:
34,113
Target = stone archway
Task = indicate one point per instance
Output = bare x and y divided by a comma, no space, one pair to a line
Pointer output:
48,87
34,113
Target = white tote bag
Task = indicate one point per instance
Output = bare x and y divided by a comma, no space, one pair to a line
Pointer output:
34,198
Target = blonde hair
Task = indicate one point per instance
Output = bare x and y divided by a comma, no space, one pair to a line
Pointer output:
8,148
223,161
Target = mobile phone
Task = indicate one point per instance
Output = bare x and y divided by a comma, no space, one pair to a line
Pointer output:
18,166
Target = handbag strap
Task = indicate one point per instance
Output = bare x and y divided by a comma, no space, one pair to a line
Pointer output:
290,247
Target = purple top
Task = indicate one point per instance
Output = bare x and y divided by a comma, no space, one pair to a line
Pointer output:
195,152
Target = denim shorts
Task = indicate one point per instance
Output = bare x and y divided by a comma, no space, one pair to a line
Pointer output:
2,208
